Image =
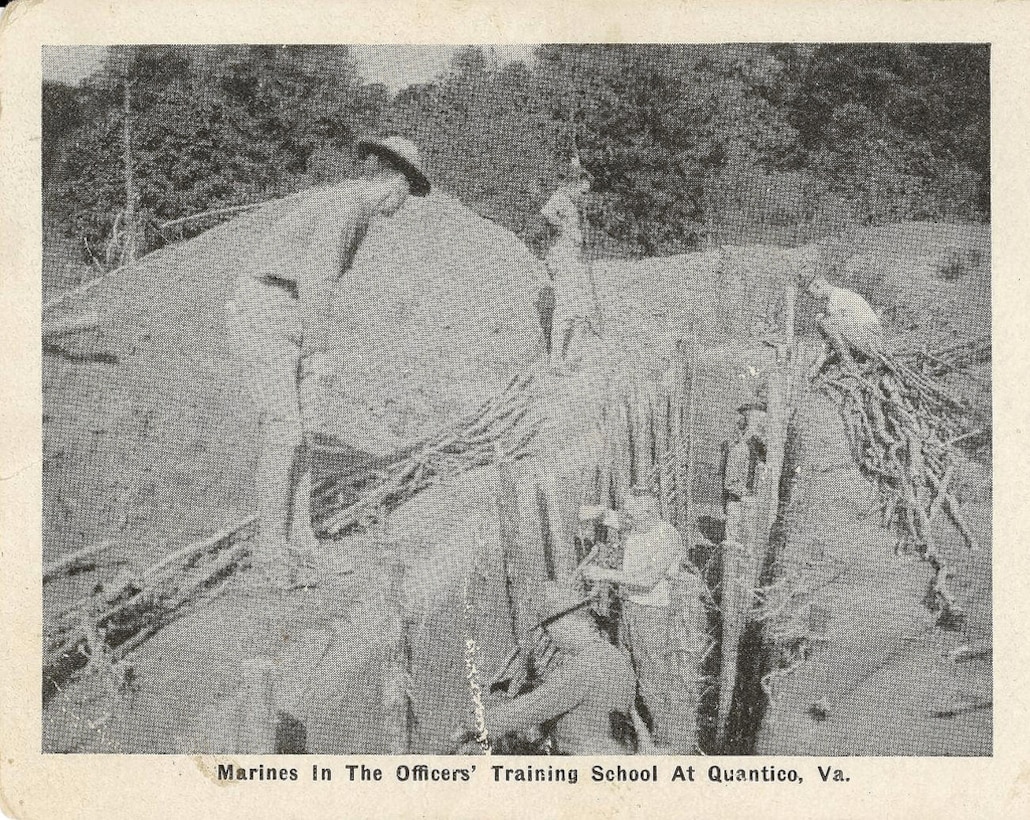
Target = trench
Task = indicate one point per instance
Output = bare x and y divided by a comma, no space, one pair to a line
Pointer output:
349,714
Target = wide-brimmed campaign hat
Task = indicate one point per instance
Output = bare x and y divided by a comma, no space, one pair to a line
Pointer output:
557,601
402,153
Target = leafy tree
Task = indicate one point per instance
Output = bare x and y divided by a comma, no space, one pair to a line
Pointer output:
688,144
892,126
212,126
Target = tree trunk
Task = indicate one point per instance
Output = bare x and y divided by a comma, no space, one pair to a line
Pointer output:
129,250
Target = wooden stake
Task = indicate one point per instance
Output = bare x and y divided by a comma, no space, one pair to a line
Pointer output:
517,563
622,471
688,644
256,712
396,697
676,512
730,606
690,423
660,427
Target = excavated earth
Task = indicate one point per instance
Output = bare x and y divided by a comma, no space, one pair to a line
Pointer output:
149,440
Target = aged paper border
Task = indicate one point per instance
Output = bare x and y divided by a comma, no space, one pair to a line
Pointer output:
34,785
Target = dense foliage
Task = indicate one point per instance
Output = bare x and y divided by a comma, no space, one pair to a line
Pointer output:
689,145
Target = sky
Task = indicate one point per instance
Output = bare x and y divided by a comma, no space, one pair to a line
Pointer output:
395,66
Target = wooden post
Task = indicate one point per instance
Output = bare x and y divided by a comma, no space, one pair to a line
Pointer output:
688,641
677,442
256,713
732,611
689,423
640,435
396,699
557,526
129,252
622,476
520,565
660,423
777,417
742,564
604,470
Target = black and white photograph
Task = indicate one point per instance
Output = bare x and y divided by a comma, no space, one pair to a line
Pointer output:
538,399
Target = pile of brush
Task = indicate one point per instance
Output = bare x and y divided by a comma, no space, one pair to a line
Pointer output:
904,427
502,429
97,632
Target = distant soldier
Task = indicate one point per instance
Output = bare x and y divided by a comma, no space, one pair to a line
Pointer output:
849,326
281,318
586,693
652,552
570,273
742,469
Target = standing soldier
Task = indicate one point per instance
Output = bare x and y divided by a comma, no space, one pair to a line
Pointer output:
573,290
652,552
743,465
281,318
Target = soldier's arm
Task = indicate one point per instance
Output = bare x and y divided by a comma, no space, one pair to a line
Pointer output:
560,692
316,285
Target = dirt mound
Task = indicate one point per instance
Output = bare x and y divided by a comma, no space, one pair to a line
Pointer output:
925,275
729,293
148,433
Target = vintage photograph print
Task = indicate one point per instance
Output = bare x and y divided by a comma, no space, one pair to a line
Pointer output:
529,399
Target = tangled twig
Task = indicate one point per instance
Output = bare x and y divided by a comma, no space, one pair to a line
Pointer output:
904,426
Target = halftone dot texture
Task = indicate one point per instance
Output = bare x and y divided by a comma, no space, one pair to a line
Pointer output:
149,438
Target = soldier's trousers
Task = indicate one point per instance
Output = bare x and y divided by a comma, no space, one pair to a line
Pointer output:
265,325
645,635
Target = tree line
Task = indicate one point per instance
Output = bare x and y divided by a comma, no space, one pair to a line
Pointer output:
689,145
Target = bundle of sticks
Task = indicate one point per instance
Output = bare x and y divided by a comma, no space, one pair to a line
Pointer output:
904,427
503,428
98,631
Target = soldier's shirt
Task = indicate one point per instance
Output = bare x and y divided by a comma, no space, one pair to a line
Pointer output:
580,696
742,473
656,552
849,308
